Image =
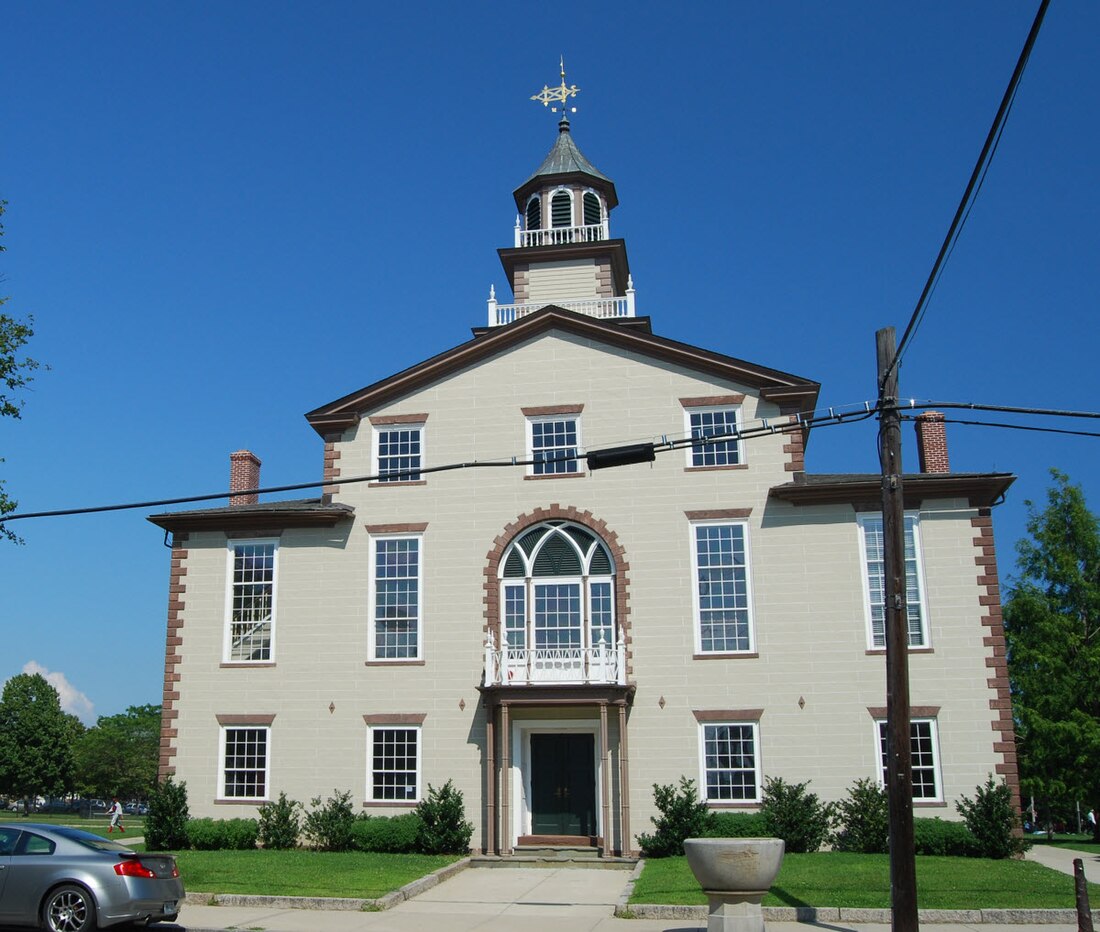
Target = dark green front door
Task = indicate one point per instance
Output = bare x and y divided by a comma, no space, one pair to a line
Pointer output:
563,784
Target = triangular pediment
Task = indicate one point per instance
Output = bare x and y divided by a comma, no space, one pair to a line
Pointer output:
792,392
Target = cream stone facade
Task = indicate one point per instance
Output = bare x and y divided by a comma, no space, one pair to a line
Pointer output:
555,638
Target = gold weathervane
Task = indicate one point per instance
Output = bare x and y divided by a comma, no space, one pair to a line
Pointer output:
560,94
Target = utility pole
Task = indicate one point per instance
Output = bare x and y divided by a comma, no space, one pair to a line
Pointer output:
899,767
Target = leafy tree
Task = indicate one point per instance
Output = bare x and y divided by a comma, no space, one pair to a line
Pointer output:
119,755
166,824
36,740
15,373
1052,630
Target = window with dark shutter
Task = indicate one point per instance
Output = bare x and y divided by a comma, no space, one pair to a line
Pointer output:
591,209
534,214
561,209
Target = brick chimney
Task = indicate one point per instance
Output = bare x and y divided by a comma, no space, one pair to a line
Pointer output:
244,473
932,442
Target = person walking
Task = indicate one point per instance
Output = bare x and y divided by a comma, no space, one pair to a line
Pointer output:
115,812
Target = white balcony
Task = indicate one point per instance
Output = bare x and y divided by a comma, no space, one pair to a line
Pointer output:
602,664
561,236
605,308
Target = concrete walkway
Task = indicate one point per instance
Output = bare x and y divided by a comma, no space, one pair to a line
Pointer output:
1061,859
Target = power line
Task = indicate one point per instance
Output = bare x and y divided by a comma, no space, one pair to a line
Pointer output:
985,158
1004,409
1031,427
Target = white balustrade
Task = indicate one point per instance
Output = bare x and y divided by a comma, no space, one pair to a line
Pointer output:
512,666
500,314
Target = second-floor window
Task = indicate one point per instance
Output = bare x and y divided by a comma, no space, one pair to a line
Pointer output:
399,451
874,579
396,603
723,617
707,423
554,445
250,628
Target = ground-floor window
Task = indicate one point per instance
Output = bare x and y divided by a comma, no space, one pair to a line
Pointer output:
393,764
925,757
245,763
731,761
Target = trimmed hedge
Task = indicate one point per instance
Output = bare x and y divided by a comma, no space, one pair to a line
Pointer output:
386,834
939,837
222,834
736,825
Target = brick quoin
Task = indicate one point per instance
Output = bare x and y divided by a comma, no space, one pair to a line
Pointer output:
172,644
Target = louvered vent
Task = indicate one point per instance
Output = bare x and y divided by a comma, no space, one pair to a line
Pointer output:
601,562
513,569
534,214
557,558
561,210
591,209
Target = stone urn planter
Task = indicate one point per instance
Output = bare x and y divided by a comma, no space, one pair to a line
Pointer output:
735,873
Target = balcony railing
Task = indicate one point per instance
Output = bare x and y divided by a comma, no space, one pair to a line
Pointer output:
500,314
561,236
536,666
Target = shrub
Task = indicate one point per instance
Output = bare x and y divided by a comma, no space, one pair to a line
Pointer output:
443,829
794,815
166,821
280,823
992,821
683,815
937,837
735,825
329,826
386,835
222,834
863,819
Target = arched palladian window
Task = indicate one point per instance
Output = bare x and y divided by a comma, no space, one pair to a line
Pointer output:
534,213
557,593
592,212
561,209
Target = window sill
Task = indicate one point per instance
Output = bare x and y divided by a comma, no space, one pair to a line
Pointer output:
730,804
929,804
557,475
243,801
873,651
393,663
246,664
391,804
727,655
398,482
716,468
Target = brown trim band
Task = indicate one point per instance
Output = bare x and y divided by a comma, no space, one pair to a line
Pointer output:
712,401
550,410
399,483
411,528
393,663
727,715
716,468
395,718
558,475
711,514
385,420
243,665
727,655
258,719
257,534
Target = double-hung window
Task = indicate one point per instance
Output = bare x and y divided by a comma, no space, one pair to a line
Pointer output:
393,764
250,625
722,596
730,762
554,445
924,757
246,762
398,451
396,603
704,424
874,577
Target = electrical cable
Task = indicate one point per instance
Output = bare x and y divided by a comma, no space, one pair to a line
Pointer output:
1030,427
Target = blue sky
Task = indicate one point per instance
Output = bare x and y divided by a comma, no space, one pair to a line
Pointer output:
225,215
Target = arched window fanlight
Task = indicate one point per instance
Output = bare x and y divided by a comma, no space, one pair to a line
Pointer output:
534,213
561,209
592,213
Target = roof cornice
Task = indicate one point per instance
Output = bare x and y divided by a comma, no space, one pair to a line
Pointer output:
258,517
795,390
981,490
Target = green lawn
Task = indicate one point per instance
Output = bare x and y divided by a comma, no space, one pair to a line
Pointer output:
863,880
97,825
353,874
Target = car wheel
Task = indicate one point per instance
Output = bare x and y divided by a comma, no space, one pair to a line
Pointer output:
69,909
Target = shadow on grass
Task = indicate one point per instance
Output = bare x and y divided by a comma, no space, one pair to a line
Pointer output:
788,899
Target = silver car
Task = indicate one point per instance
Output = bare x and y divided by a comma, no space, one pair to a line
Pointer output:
66,880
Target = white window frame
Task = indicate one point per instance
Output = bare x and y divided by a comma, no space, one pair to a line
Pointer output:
756,768
223,737
689,432
371,730
372,596
697,611
376,460
231,582
912,518
549,419
934,737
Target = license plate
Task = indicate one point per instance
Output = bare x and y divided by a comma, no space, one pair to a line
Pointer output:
170,907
